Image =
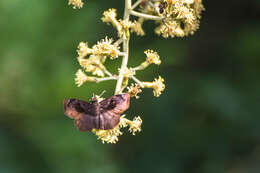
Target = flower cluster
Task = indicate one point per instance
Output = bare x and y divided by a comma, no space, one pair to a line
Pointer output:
157,85
111,136
134,90
93,59
175,18
178,17
122,26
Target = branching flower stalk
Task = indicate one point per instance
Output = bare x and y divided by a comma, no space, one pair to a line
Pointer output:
175,18
125,50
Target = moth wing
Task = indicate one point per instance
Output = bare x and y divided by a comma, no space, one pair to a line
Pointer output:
108,120
83,113
73,108
117,104
85,122
111,109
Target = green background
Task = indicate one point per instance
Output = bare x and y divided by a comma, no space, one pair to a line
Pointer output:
206,121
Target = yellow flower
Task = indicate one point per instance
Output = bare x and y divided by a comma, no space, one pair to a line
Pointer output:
106,48
81,78
152,57
92,59
93,64
170,29
110,17
135,125
157,85
111,136
127,72
134,90
76,3
83,49
108,136
181,18
184,12
125,25
137,27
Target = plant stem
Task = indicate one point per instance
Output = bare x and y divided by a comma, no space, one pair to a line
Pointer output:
118,42
127,12
136,4
105,79
128,4
137,81
146,16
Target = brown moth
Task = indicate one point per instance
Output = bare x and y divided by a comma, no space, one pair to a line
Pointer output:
99,115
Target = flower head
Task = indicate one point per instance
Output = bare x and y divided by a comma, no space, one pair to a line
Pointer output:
76,3
170,29
152,57
157,85
124,29
181,18
81,78
92,64
93,59
183,12
106,48
109,15
127,72
83,49
111,136
108,136
134,90
137,27
135,125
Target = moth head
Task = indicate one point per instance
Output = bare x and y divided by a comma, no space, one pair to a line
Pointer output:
71,108
94,101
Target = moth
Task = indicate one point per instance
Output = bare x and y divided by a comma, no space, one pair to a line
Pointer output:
94,114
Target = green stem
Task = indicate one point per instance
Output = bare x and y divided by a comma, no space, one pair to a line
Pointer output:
125,49
146,16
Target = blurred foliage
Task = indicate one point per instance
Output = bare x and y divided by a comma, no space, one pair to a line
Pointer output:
207,120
